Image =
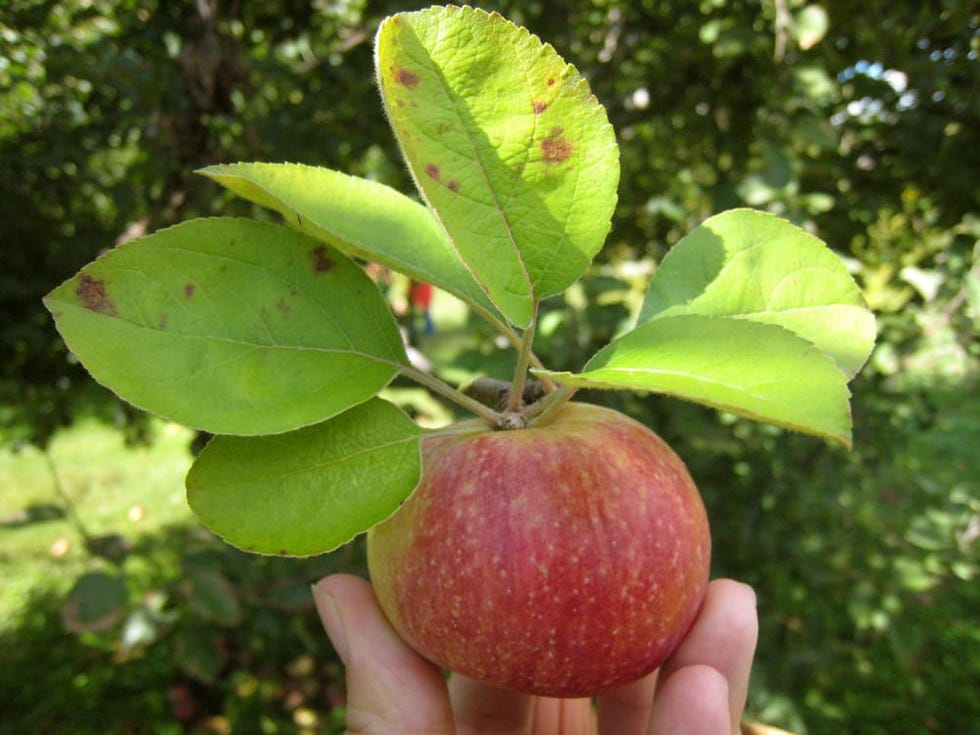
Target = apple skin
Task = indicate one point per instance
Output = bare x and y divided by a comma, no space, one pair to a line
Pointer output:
559,560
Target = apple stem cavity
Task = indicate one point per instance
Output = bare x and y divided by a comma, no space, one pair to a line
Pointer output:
510,420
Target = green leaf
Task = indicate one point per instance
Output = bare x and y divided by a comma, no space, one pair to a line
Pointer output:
507,144
752,265
95,603
211,596
200,651
761,371
311,490
231,326
359,217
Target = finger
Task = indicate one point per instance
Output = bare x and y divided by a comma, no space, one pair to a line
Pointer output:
390,688
723,637
626,709
479,708
482,709
552,716
692,701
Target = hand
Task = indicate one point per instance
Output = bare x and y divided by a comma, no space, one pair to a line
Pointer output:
700,690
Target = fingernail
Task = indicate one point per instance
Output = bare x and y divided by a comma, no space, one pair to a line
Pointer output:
333,621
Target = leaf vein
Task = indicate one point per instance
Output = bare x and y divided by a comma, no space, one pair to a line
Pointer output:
318,466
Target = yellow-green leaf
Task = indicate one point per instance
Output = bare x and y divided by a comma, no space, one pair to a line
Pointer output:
507,144
232,326
307,491
760,371
361,218
750,265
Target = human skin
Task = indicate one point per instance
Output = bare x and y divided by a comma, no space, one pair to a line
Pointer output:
699,690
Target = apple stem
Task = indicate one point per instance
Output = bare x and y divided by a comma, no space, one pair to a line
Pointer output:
515,401
515,340
447,391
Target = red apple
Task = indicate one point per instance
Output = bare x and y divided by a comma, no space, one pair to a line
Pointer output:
561,560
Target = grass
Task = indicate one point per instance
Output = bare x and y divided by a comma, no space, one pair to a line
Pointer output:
209,638
107,488
866,568
89,485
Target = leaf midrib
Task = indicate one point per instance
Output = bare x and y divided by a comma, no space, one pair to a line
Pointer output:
478,161
317,466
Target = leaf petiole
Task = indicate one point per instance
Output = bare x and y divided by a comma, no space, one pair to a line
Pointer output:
447,391
539,411
533,360
515,401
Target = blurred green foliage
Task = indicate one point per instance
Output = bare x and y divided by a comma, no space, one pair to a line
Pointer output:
190,635
855,120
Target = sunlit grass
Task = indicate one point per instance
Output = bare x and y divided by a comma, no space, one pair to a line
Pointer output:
107,488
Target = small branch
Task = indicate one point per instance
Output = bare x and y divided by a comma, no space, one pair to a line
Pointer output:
780,30
70,506
515,399
515,340
447,391
960,298
496,393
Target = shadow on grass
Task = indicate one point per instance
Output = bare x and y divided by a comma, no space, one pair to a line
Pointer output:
33,514
207,639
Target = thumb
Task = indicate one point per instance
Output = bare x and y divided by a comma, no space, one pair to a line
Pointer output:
390,688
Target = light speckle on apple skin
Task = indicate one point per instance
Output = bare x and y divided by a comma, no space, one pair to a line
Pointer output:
595,588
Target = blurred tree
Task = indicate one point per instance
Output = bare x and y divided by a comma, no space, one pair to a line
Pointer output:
839,117
106,109
857,121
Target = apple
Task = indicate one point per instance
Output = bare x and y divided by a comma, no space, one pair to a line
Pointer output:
561,559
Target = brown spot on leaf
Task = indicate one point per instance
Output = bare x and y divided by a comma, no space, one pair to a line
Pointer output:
453,185
551,82
321,262
189,290
93,296
406,78
540,107
555,148
432,171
